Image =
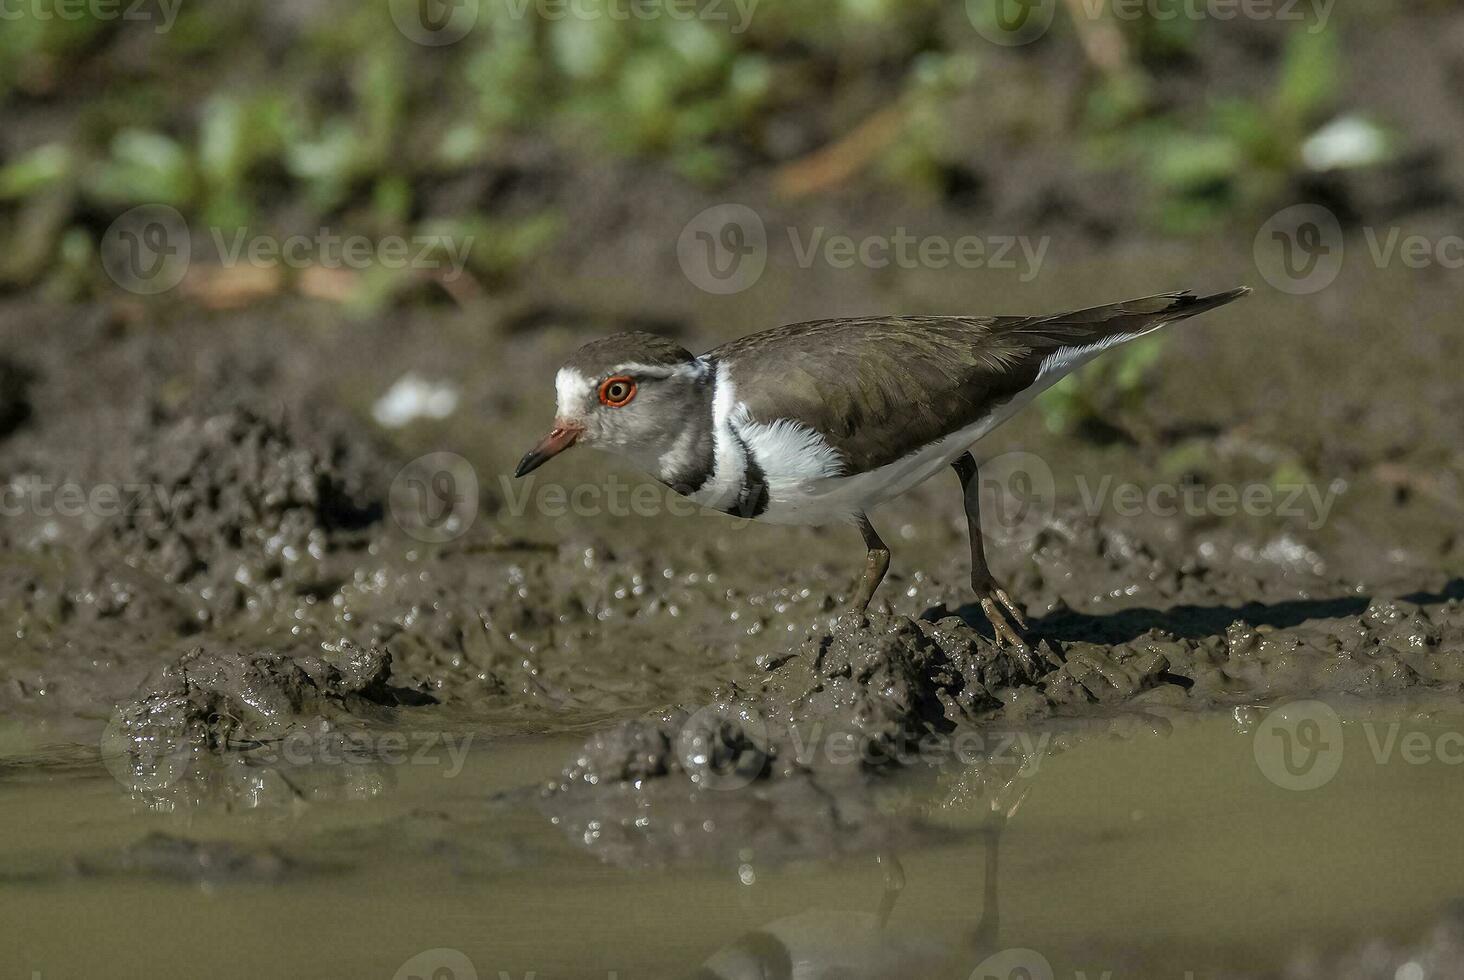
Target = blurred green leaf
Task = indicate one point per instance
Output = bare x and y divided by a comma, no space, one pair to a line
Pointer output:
222,154
35,171
585,48
462,144
381,90
497,247
328,162
1309,75
391,200
145,167
1188,457
1117,101
1184,161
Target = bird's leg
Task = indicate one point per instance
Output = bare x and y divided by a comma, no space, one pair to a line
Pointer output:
988,927
894,883
876,563
992,596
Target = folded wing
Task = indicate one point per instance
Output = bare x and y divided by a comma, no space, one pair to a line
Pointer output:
878,388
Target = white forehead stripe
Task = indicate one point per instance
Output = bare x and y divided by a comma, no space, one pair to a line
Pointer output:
571,389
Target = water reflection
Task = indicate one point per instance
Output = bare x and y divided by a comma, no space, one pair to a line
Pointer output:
862,945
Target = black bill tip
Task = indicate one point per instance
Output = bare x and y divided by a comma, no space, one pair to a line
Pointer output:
533,459
557,441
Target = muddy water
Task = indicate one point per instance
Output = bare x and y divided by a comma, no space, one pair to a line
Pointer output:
601,723
1149,845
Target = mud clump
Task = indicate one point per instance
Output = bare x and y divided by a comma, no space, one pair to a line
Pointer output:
715,785
862,694
197,721
899,678
214,700
239,499
629,752
141,526
796,768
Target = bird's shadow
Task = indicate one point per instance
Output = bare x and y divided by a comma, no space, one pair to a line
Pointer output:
1186,621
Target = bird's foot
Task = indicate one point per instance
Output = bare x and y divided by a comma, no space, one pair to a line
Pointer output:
856,614
998,605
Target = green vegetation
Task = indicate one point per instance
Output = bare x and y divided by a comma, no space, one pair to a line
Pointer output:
284,118
1227,155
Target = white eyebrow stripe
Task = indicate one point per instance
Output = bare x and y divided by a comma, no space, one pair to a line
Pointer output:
695,370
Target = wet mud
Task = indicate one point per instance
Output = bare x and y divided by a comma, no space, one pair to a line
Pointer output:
213,555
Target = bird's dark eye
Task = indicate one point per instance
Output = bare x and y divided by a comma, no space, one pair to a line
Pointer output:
617,391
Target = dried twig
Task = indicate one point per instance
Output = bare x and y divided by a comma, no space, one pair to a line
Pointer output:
833,164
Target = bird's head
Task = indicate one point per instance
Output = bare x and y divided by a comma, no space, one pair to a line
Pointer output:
630,393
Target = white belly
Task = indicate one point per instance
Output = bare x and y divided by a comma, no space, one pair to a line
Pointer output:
834,499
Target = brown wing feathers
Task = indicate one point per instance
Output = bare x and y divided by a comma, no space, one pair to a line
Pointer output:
880,387
1083,327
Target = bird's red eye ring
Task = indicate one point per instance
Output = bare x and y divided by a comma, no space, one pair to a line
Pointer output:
617,391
